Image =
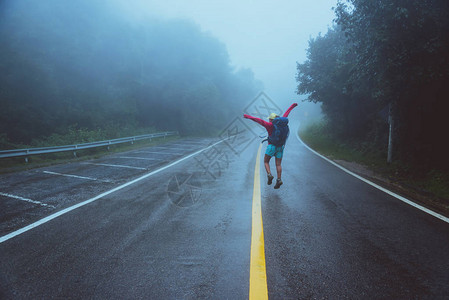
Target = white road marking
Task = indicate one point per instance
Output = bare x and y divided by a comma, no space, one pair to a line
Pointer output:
169,152
68,209
169,148
76,176
192,142
24,199
132,157
403,199
160,153
115,166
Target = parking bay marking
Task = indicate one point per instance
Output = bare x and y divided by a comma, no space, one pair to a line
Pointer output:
134,157
168,148
160,153
24,199
73,207
77,176
116,166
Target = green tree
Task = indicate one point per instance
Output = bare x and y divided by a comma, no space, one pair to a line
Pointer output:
328,77
401,46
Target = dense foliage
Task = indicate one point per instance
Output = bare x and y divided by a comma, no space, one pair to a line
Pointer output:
382,53
81,65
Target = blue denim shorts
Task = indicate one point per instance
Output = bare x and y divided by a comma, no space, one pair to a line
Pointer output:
277,152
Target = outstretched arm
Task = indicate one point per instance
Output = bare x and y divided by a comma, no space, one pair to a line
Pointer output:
257,120
290,109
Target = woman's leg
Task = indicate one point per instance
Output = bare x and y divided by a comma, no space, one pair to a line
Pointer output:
266,161
278,167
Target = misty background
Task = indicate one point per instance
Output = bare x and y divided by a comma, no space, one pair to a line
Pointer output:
373,73
267,36
96,69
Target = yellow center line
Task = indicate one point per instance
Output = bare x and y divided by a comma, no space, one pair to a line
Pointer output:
257,275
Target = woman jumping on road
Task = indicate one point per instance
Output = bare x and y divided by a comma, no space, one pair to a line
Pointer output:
273,150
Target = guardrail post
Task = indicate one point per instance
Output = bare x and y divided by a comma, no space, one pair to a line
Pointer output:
26,159
74,154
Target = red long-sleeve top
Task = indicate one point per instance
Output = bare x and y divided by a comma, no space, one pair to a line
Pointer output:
268,125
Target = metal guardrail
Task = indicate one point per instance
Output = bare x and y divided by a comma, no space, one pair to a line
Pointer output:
45,150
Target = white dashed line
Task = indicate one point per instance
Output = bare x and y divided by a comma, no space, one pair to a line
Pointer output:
76,176
115,166
169,148
68,209
132,157
160,153
192,142
24,199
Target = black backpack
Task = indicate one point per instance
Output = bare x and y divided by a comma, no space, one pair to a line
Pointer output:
280,132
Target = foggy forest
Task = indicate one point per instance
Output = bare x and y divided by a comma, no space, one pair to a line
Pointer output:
80,69
384,62
224,149
77,66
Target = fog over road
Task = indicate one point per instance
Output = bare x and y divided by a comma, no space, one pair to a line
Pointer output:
184,232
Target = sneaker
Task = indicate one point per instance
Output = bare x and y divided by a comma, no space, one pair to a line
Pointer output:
278,183
270,179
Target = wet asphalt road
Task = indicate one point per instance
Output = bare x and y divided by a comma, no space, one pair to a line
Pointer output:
185,232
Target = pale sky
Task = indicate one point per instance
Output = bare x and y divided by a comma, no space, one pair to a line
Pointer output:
267,36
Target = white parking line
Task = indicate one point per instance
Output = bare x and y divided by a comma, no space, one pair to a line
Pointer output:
192,146
142,158
403,199
76,176
170,148
115,166
192,142
68,209
25,199
160,153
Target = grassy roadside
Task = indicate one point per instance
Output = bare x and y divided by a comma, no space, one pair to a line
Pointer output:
8,165
430,188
